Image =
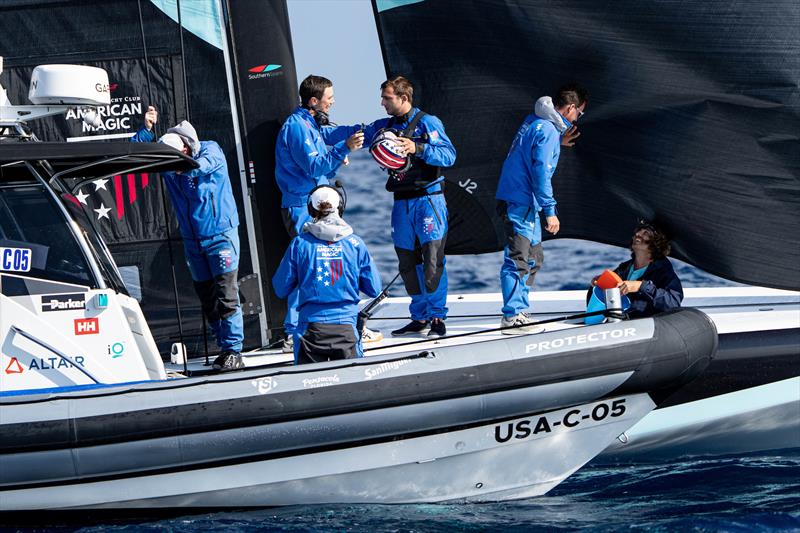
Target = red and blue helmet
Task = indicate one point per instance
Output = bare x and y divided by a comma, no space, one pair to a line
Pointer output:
386,152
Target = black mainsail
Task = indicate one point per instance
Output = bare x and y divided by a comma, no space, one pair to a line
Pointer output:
693,118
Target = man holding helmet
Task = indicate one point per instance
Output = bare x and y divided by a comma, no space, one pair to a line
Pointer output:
413,147
326,265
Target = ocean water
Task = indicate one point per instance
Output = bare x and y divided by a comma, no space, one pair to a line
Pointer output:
759,492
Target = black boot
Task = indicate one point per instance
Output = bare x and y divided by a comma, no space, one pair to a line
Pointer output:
412,328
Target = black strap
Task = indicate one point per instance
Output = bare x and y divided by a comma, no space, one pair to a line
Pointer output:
409,130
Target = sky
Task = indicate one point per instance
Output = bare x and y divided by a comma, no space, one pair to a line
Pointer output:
337,39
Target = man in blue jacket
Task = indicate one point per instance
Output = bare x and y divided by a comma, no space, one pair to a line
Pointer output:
304,161
524,189
419,214
208,221
327,265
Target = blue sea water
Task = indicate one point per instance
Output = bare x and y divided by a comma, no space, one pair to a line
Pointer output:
759,492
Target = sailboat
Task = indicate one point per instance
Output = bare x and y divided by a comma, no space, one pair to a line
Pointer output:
92,418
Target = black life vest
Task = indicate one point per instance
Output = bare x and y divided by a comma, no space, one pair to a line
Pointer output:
412,182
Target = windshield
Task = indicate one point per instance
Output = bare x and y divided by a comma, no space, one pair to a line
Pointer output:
36,240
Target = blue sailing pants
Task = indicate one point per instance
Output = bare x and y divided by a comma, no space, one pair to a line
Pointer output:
522,257
294,218
419,231
214,263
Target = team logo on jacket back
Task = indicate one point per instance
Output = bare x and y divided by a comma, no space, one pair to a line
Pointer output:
330,264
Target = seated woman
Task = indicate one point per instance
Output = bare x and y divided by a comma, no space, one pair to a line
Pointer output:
329,265
649,280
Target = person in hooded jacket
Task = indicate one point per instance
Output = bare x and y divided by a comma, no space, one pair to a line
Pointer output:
649,281
524,189
303,161
208,220
328,265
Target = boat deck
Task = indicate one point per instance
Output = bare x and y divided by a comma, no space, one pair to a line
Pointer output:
476,318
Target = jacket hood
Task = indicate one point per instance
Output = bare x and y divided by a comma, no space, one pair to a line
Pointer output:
188,134
331,228
545,109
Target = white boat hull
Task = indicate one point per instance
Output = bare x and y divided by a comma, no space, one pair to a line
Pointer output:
537,453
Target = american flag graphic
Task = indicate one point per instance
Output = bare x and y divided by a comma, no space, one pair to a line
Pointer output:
129,184
336,269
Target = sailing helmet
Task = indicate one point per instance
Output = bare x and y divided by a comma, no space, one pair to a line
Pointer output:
385,151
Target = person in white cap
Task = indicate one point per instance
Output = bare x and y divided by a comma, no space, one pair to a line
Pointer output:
328,265
209,223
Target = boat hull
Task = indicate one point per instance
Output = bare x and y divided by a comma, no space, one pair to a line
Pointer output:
509,459
322,433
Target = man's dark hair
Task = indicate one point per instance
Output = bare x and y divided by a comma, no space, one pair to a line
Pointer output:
400,86
571,93
659,244
313,86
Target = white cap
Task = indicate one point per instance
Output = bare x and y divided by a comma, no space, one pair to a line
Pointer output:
325,194
172,140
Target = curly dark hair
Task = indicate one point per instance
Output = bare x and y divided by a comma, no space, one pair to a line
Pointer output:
659,243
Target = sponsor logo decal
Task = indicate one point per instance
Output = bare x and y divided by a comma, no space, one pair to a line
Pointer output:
529,427
370,373
114,117
87,326
101,301
264,68
265,71
15,259
63,302
321,381
116,350
574,340
39,363
14,367
264,385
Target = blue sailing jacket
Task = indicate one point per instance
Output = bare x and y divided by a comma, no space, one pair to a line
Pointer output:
530,164
329,276
202,198
302,158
